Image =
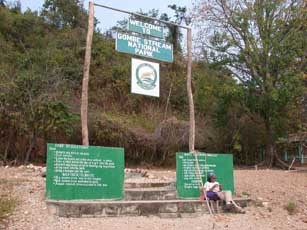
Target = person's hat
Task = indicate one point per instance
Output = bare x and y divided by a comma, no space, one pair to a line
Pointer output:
211,174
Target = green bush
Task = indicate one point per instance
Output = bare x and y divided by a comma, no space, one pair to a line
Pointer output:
291,207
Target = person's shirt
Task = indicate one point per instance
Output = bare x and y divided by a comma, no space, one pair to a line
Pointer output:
208,186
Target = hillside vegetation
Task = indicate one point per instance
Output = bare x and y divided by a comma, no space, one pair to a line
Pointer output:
41,61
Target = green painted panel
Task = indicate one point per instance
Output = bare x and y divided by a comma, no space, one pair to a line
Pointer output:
76,172
186,175
144,47
145,28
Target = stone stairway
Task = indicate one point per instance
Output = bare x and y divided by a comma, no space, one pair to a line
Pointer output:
141,199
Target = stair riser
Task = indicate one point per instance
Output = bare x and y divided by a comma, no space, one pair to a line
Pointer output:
150,195
164,209
149,185
109,210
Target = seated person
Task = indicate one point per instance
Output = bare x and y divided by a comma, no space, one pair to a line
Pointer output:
214,192
213,188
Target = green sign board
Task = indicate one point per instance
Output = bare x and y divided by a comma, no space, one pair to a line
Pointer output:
144,47
76,172
145,28
187,179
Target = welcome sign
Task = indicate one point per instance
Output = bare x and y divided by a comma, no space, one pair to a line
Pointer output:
145,28
128,43
145,77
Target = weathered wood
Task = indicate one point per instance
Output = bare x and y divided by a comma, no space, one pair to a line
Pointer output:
86,70
189,91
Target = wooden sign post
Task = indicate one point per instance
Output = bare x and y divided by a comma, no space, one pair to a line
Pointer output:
138,27
86,74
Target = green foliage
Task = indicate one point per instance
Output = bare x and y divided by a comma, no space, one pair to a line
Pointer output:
37,64
64,13
291,207
262,44
129,121
245,193
55,117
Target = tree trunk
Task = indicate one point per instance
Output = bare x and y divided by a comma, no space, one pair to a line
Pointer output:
6,151
8,148
32,144
271,157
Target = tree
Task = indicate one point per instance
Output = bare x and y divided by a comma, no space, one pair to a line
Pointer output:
2,3
36,67
64,13
262,42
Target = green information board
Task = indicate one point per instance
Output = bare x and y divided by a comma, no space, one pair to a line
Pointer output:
77,172
188,179
159,50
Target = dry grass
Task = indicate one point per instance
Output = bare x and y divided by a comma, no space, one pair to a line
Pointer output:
8,202
7,206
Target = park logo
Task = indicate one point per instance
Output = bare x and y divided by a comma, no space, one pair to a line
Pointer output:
146,76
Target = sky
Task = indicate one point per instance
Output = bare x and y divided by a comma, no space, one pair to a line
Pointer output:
108,18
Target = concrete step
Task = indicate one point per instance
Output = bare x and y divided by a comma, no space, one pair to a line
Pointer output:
158,193
170,208
171,184
100,208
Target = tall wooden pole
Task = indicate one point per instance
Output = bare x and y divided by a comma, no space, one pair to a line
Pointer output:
190,94
86,72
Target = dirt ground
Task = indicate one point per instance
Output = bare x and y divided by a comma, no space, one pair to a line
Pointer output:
272,190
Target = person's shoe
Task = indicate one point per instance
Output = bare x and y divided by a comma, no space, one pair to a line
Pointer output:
229,207
241,210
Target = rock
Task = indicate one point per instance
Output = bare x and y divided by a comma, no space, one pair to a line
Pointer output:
37,168
144,174
30,166
265,204
43,172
